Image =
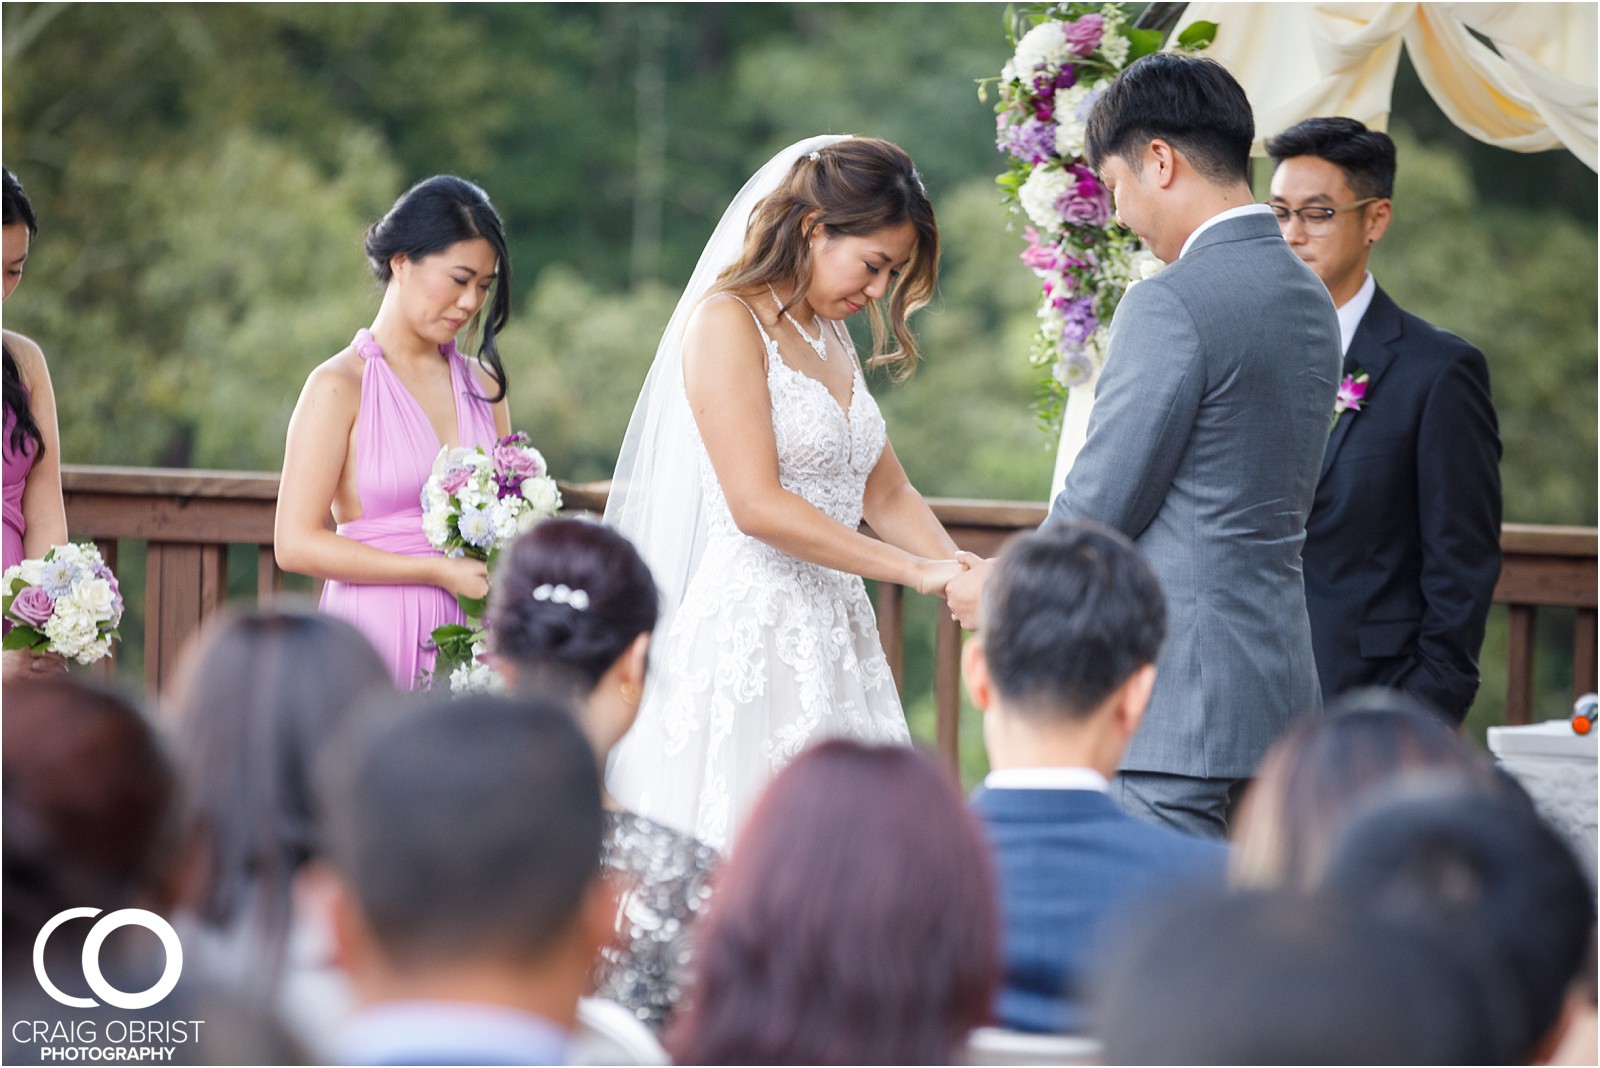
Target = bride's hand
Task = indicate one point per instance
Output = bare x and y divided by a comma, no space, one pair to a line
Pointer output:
932,576
463,577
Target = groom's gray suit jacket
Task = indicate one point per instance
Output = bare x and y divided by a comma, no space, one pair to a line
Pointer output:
1204,447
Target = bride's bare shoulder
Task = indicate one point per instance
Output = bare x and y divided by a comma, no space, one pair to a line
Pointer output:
721,319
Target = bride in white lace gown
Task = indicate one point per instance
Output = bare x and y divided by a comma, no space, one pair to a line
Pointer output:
753,457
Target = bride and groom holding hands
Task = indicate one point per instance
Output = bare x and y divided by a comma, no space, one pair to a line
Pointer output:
1204,449
756,452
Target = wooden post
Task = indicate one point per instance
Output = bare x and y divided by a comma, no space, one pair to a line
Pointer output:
892,629
1523,620
947,690
184,583
1583,653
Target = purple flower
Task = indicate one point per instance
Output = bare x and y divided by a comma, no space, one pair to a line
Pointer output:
33,606
1087,203
1066,78
514,463
1351,392
1080,322
1030,141
1084,35
1037,256
454,479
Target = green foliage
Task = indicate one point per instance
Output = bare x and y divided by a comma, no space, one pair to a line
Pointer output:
1197,36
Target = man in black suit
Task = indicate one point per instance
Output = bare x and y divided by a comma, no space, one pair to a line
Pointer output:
1403,545
1072,623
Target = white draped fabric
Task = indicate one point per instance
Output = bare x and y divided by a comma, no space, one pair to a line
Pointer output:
1534,90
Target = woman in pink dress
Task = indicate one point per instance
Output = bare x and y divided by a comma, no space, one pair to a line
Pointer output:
35,517
371,421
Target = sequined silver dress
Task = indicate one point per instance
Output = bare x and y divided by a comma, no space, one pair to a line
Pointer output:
664,883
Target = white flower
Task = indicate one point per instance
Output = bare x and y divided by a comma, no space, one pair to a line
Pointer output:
476,527
70,629
476,677
436,529
1072,112
1039,194
505,512
94,597
1042,49
1114,46
528,520
541,494
32,571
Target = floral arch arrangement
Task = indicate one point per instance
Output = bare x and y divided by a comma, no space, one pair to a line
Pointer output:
1064,57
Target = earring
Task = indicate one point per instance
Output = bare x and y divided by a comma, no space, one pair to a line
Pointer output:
629,692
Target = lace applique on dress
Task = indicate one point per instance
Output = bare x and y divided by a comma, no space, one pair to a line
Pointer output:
767,653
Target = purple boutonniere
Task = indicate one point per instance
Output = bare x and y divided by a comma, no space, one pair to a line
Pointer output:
1352,393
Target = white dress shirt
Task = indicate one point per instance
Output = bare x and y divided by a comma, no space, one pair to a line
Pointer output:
1224,216
1046,779
1351,311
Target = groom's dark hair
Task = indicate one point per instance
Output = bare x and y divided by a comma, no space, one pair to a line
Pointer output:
1365,156
1071,611
1194,104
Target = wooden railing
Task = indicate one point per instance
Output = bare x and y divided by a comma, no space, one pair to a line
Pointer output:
191,519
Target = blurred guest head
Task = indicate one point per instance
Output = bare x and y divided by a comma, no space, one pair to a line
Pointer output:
258,695
89,808
591,648
855,924
464,841
1481,869
1325,765
1072,621
1281,977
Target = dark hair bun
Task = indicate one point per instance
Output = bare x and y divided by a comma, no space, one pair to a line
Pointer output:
572,594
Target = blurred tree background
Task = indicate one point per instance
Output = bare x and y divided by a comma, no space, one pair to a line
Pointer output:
203,175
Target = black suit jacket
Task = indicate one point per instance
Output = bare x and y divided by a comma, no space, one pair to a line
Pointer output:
1403,545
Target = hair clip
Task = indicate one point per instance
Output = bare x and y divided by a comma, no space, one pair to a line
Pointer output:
916,176
575,599
813,155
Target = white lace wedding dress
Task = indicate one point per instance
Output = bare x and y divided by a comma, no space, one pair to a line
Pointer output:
767,653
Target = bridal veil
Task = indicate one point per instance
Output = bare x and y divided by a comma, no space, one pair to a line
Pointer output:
655,497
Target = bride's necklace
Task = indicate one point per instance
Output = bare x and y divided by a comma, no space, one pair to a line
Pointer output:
819,344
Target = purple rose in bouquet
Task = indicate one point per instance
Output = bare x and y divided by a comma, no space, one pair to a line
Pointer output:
33,606
1084,34
1086,203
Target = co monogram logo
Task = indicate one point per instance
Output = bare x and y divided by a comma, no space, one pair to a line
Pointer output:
91,958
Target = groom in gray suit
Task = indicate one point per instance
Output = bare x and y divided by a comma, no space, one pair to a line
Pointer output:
1206,438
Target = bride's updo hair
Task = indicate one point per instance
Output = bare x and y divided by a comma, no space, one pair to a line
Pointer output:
557,638
857,187
430,217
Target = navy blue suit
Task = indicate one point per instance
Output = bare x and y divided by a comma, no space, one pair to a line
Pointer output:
1403,544
1066,861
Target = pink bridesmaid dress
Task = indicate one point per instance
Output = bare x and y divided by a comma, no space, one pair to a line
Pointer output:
395,450
18,462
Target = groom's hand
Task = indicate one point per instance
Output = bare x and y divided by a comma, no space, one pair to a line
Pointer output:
965,589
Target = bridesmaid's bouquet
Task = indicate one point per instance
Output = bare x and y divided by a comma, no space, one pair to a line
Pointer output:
473,504
67,603
477,501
